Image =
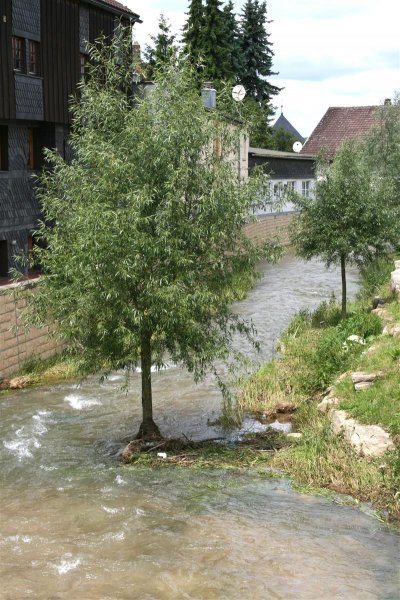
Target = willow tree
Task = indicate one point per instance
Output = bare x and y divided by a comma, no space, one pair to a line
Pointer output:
142,239
351,217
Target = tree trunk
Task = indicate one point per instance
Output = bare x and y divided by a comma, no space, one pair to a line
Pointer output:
148,428
344,287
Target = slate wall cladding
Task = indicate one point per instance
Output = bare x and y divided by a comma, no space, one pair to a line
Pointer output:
83,28
29,97
26,18
19,208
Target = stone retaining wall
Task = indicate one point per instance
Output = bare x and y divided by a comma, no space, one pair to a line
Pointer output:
271,228
17,343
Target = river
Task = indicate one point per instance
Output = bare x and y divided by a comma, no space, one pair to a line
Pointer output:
77,524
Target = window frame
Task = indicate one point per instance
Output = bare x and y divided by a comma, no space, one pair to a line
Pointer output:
33,57
18,54
3,148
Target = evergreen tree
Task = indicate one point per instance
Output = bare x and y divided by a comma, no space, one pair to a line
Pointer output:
193,32
163,48
216,44
233,39
256,52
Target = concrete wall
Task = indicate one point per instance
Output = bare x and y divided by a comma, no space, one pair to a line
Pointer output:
18,344
274,227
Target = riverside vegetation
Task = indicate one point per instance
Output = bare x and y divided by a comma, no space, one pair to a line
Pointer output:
315,351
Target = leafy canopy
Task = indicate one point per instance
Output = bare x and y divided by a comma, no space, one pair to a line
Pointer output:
142,234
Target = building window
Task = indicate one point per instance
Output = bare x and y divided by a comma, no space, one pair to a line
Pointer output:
18,53
83,63
3,148
31,148
33,58
3,258
306,188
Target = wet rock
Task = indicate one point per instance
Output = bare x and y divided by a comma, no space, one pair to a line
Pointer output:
362,377
130,449
327,403
367,440
18,383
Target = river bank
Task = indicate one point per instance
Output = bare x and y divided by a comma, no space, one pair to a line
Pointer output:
319,352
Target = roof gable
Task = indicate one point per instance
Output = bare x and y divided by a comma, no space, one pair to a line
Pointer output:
118,6
283,123
337,124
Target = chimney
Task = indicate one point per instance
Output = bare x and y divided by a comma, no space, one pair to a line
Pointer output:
209,95
136,54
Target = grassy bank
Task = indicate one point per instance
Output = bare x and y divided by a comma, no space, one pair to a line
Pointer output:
315,352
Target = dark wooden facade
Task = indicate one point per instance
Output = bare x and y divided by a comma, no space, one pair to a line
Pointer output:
34,96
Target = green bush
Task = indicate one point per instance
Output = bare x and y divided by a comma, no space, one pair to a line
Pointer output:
375,275
328,314
361,323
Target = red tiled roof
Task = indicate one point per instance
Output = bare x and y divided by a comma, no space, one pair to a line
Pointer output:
117,5
337,124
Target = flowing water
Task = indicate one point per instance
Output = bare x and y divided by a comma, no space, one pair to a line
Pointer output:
76,524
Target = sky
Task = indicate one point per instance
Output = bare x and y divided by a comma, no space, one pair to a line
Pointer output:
336,53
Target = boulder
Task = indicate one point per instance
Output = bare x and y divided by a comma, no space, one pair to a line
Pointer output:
367,440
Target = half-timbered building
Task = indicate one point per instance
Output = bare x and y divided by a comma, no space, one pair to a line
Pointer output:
43,51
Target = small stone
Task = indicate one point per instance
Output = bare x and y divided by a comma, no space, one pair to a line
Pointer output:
294,435
363,385
327,403
18,383
381,312
357,339
395,280
361,376
378,301
285,408
392,330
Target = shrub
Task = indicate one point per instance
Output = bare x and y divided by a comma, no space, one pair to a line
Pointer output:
361,323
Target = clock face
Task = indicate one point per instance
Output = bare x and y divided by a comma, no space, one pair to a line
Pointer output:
238,93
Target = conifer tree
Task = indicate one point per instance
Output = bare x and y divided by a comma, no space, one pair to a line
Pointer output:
163,49
256,52
216,45
193,32
233,39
